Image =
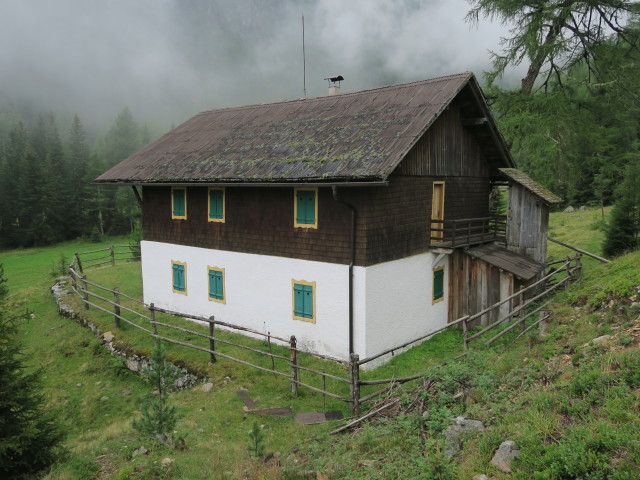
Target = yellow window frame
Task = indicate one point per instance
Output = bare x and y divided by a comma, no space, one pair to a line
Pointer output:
222,300
293,300
184,266
433,286
179,217
295,207
224,204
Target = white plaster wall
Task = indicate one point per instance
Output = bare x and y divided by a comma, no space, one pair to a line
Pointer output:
398,305
258,292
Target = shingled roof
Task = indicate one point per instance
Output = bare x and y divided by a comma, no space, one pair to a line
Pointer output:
527,182
352,137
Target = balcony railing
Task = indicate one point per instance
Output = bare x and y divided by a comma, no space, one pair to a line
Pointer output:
467,231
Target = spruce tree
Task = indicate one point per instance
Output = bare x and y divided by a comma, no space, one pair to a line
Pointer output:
623,234
159,418
29,435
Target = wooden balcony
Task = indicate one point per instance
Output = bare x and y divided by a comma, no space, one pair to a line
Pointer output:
468,231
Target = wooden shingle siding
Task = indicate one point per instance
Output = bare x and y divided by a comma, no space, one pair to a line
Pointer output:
392,222
446,149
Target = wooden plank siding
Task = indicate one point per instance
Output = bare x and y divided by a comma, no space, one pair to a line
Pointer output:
475,285
528,223
446,149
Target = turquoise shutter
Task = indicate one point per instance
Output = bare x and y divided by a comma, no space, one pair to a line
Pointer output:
298,300
215,284
308,301
306,206
301,207
216,198
178,203
438,284
178,277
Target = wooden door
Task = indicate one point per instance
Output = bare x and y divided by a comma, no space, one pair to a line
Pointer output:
437,210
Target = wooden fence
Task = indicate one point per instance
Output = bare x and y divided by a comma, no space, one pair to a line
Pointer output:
289,365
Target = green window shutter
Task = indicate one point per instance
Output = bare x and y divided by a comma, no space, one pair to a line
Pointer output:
298,300
308,301
178,203
306,207
215,284
216,199
178,277
438,284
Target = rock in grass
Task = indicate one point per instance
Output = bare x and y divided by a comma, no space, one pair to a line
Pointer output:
453,434
504,455
207,387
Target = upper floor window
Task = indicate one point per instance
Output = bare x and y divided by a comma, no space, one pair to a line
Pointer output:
179,203
216,204
306,207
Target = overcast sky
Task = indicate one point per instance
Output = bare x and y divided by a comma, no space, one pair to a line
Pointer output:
169,59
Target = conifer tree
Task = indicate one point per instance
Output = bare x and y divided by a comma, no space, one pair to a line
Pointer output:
159,417
623,234
29,435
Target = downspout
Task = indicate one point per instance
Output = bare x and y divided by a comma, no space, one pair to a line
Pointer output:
352,261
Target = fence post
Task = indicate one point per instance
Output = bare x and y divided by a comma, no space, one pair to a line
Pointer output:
324,390
113,256
212,342
520,303
294,365
579,265
154,327
79,262
354,384
85,295
116,306
74,282
568,270
464,334
543,322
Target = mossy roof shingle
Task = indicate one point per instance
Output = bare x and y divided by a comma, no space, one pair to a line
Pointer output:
360,136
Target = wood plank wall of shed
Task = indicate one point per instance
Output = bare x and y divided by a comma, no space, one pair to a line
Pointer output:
475,285
393,222
527,237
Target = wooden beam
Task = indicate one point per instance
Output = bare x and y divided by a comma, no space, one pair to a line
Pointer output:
592,255
475,122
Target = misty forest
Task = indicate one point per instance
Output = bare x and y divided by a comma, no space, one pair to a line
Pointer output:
573,124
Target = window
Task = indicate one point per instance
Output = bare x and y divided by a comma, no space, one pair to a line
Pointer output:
179,203
305,207
216,284
438,284
216,204
304,305
179,277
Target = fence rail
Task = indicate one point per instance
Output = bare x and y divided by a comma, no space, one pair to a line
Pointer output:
109,300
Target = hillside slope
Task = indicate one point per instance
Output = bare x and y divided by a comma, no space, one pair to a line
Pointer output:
569,399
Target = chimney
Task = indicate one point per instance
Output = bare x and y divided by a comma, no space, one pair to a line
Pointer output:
334,84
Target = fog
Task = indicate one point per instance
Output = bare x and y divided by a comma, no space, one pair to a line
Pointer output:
169,59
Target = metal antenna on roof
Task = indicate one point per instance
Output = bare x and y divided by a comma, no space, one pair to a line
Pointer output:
304,61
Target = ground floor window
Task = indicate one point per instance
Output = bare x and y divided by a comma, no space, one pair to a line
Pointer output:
304,300
179,271
216,284
438,284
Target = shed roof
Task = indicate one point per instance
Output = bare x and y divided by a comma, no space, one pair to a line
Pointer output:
522,267
352,137
531,185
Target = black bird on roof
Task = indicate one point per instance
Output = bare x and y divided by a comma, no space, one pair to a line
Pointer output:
335,79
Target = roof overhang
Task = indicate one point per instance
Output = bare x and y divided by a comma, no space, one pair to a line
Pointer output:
522,267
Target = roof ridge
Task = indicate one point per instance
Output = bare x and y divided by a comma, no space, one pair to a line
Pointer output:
467,74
